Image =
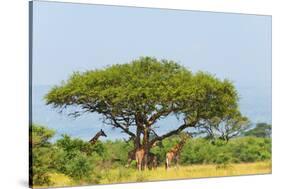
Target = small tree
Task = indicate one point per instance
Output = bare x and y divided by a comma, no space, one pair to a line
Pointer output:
260,130
228,126
134,96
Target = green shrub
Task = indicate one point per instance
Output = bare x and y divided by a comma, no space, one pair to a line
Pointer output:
84,162
40,166
116,152
79,167
41,154
245,149
76,158
222,160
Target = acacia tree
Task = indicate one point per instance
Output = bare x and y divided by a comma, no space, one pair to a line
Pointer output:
231,125
134,96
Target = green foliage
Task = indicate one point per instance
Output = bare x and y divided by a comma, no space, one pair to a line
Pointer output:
41,160
261,130
40,135
161,150
117,152
86,163
41,154
146,90
75,157
70,145
231,125
72,157
79,167
144,81
246,149
252,149
222,160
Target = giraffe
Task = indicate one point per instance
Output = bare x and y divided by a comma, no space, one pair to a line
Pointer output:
152,159
174,153
131,157
96,137
138,155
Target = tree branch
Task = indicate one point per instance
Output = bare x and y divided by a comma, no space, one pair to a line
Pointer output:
157,115
152,130
115,123
173,132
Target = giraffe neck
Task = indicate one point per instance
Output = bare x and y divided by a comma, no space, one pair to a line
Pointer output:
178,147
95,138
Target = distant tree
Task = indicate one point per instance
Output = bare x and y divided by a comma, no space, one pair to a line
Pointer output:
134,96
226,127
260,130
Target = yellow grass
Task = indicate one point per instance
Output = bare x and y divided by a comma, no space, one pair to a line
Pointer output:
59,180
186,172
122,175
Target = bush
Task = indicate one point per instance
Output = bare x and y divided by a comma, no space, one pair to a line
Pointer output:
72,157
40,167
246,149
76,158
116,153
41,154
250,149
87,163
79,167
222,160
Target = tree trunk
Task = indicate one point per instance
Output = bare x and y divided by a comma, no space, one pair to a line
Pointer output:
137,139
146,147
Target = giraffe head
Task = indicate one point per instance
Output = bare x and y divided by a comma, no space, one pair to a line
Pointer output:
102,133
96,137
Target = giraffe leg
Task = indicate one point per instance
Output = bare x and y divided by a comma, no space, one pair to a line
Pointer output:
154,162
177,161
167,163
128,163
145,162
140,163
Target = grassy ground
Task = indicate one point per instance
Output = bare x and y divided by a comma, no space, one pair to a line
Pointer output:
120,175
185,172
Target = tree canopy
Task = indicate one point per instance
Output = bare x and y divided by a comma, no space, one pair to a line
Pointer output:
134,96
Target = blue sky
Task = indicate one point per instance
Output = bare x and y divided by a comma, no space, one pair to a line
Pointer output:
70,37
77,37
